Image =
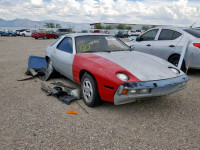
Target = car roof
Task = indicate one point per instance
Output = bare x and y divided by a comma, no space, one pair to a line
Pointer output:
172,27
84,34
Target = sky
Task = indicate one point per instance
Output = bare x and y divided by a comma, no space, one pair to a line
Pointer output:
162,12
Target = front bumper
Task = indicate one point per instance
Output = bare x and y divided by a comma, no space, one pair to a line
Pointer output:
157,88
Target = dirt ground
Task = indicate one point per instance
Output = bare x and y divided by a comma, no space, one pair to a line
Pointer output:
31,120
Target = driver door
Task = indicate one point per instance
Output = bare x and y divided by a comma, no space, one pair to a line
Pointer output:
63,57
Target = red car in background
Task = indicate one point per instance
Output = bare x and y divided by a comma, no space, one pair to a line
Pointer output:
45,35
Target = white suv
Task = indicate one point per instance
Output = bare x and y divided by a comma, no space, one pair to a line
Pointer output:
26,33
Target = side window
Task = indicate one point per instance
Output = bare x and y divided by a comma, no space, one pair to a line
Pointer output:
149,36
167,34
176,35
66,45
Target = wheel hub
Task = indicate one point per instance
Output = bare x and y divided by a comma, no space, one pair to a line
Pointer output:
87,90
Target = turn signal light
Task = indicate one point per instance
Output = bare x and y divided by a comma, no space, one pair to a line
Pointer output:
124,91
196,45
135,91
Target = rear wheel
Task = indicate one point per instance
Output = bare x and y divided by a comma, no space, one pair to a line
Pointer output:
89,90
10,34
175,60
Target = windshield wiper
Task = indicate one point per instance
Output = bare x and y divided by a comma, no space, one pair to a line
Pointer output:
106,51
88,52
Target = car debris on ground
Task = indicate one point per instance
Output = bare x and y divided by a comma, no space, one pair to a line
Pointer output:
37,68
64,93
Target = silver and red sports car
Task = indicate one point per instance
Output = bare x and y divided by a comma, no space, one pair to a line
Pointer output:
109,70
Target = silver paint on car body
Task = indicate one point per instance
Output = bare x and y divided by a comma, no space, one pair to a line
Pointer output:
62,61
145,67
162,49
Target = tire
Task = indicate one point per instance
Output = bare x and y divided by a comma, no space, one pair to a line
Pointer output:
36,38
45,37
10,34
175,59
89,90
23,35
56,37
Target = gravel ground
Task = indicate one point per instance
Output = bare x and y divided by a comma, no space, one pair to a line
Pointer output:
31,120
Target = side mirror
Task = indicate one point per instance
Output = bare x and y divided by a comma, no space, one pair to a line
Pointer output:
138,39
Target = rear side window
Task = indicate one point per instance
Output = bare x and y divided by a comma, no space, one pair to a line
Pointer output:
194,32
167,34
176,35
149,36
66,45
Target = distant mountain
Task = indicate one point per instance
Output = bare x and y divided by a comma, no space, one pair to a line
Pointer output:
26,23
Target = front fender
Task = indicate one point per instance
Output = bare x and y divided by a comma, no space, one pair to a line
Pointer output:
104,72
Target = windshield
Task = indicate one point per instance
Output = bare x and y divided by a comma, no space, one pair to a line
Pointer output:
99,43
194,32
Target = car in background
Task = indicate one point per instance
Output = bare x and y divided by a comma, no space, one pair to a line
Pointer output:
84,31
168,42
136,32
99,31
123,34
44,34
108,70
18,31
127,34
63,31
7,33
112,32
27,32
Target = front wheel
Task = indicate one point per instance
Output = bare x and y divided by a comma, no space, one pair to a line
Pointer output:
175,60
89,90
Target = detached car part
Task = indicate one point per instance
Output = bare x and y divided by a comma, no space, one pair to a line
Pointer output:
63,93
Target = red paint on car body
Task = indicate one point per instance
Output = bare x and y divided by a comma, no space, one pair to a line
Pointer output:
104,72
41,35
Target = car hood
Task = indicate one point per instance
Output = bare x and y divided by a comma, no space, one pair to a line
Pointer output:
143,66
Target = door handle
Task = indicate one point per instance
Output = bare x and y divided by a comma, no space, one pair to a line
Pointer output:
148,45
171,46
